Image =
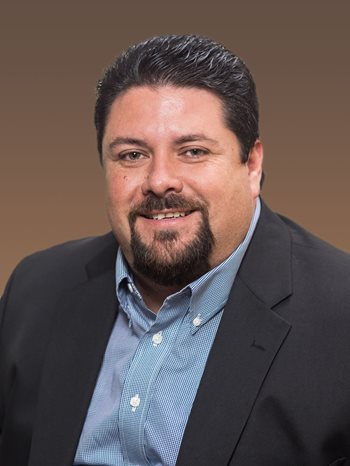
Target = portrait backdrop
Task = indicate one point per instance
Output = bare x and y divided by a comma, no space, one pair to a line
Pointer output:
51,184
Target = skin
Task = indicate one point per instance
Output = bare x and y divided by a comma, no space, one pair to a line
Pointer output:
170,140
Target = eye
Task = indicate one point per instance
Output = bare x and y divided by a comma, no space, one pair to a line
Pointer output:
131,156
195,152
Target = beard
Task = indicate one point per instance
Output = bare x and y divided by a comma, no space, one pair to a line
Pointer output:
167,260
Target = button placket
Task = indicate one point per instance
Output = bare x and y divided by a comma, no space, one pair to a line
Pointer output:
137,393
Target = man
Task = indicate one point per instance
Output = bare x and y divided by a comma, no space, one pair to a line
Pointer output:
206,330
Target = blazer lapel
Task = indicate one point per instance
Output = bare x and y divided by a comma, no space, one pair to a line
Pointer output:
85,319
248,339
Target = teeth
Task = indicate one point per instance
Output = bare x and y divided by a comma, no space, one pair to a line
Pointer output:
158,217
168,215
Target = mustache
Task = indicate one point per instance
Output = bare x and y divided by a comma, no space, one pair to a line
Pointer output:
171,201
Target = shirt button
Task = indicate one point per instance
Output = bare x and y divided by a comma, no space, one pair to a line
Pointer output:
157,339
135,402
197,321
130,287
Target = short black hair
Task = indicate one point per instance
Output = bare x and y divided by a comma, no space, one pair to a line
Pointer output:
185,61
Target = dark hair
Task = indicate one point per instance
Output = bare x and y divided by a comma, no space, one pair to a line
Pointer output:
184,61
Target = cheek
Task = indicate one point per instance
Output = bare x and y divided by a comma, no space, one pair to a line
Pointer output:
117,204
230,207
119,189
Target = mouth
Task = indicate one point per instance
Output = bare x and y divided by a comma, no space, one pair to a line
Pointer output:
166,215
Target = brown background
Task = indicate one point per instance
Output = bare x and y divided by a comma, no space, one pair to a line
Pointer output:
52,53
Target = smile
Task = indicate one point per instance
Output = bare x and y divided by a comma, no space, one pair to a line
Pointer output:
161,216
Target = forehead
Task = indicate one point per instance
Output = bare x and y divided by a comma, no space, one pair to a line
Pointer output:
166,108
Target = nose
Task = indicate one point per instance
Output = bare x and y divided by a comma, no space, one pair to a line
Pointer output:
162,177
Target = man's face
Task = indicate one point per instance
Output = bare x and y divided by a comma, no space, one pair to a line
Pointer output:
179,198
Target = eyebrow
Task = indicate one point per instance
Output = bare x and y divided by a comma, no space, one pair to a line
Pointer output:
193,138
129,141
178,141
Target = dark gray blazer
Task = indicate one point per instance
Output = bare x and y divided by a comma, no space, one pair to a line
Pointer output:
276,388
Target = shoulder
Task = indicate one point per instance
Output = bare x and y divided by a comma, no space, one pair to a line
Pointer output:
287,237
69,254
321,279
284,256
310,250
78,250
62,266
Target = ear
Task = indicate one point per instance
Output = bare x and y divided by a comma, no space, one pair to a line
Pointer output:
254,164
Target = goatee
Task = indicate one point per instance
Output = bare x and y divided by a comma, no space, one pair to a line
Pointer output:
167,260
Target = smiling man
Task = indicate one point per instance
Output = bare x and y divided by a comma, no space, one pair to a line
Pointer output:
180,200
204,330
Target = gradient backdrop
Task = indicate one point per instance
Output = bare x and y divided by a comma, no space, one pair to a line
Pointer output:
52,53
